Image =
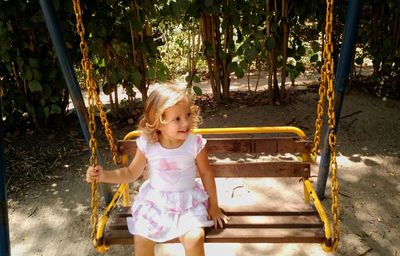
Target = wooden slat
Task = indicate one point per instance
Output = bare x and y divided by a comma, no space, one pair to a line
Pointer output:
271,209
262,169
238,235
251,221
265,235
270,145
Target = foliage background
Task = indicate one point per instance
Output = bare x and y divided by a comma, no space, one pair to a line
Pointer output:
136,43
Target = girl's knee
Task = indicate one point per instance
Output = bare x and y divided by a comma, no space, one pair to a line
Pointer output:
143,246
193,238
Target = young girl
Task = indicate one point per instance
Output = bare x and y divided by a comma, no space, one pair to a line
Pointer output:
171,203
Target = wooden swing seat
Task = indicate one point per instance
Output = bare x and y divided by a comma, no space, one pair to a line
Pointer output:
266,222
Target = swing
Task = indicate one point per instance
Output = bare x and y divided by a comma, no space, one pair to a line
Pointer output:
266,222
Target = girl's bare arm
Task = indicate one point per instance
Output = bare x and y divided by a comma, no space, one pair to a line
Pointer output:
208,180
121,175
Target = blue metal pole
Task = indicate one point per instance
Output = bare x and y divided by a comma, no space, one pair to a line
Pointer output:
341,79
4,230
53,25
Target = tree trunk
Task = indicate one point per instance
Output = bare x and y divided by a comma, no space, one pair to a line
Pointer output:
139,59
228,36
193,55
274,68
216,47
276,96
207,33
269,53
285,40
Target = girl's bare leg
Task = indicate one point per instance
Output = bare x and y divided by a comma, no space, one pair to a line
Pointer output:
193,242
143,246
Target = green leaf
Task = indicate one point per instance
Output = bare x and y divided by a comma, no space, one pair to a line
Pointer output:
151,73
222,55
54,99
114,79
314,58
46,91
315,46
27,74
106,89
243,64
301,50
3,28
151,46
102,30
34,62
5,56
30,109
55,109
197,90
160,75
20,61
196,79
239,73
35,86
231,45
251,54
46,112
101,62
233,66
136,77
209,3
359,60
53,73
210,51
37,75
294,74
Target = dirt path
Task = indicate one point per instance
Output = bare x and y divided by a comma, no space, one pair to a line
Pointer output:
52,217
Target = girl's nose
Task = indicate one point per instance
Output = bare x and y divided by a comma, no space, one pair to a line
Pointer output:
186,121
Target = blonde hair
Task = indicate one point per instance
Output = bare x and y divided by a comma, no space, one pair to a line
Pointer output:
158,102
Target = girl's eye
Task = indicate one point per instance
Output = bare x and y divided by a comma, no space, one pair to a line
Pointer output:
189,114
177,119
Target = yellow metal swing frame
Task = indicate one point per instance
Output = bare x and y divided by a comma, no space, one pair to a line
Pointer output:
330,241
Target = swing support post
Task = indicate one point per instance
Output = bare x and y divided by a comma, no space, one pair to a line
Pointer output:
54,28
4,229
341,79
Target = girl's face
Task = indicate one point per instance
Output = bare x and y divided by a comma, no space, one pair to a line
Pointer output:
177,124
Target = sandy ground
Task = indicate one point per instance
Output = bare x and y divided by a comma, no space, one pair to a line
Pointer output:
52,218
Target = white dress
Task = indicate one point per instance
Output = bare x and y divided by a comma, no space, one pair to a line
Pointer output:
171,202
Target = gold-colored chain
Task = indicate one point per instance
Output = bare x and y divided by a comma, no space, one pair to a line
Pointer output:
326,89
93,100
332,134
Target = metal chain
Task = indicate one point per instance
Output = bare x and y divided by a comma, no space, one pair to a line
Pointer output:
93,100
332,135
326,90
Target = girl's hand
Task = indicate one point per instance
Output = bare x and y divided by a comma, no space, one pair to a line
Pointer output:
94,174
215,214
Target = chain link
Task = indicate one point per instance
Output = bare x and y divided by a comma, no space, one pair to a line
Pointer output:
326,90
93,101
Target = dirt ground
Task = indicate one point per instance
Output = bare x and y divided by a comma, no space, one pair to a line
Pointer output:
49,206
